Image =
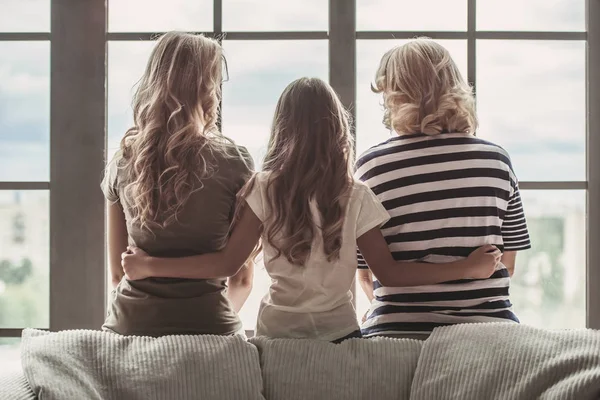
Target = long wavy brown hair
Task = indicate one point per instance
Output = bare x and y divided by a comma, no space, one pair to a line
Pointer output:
167,153
309,160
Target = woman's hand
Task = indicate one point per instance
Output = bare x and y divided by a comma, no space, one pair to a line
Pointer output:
136,264
483,262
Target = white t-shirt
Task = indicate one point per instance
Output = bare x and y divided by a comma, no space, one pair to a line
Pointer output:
314,300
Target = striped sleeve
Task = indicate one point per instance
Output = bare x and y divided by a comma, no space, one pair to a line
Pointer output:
362,264
514,228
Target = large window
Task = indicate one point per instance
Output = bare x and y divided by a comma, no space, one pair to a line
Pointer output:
65,103
24,173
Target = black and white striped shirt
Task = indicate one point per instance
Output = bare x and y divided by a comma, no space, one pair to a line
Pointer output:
446,195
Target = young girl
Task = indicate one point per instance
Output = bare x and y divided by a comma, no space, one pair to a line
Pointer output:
311,214
172,191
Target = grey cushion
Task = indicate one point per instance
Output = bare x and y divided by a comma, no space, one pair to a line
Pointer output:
99,365
14,386
380,368
508,361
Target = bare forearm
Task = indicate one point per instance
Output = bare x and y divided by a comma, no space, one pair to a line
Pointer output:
240,286
116,272
117,241
418,274
509,259
365,280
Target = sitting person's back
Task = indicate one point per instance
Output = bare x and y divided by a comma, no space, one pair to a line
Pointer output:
313,299
175,180
160,306
447,193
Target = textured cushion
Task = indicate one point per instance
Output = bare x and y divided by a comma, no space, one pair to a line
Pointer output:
14,386
508,361
378,368
100,365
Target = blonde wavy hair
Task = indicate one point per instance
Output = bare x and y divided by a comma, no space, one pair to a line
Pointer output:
423,90
309,159
167,152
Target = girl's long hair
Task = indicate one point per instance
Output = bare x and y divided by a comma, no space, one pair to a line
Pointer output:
423,90
168,151
309,159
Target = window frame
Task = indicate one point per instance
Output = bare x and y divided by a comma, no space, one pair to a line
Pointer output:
78,97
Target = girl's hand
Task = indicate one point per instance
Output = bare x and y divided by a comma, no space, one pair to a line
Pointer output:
483,261
136,264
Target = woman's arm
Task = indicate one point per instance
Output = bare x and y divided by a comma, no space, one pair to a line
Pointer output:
117,241
239,286
221,264
509,259
480,264
365,280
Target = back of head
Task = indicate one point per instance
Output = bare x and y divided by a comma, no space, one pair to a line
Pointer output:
175,115
309,158
423,90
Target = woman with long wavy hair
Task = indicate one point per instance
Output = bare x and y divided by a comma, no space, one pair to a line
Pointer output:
311,215
172,191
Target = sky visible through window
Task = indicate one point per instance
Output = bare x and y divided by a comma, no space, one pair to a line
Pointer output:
531,100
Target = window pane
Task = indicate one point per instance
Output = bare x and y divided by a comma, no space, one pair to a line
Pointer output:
24,259
369,127
410,15
24,111
24,15
10,355
531,100
126,63
275,15
259,71
531,15
548,287
159,15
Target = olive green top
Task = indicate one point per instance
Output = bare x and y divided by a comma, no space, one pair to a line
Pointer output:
166,306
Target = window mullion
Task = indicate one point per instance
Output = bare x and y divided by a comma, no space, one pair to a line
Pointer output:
593,163
77,138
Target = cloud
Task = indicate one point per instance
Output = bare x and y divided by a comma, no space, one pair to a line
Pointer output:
531,100
160,15
25,16
409,15
275,15
531,15
24,161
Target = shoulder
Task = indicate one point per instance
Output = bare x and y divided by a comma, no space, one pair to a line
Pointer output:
110,182
494,148
246,157
360,190
386,151
114,166
233,161
375,151
261,179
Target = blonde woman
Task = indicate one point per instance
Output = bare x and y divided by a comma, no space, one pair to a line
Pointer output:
311,214
447,193
172,191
